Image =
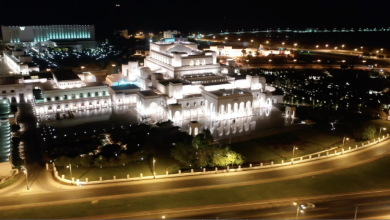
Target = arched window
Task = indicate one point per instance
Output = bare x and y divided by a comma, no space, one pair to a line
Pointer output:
203,62
201,102
197,62
194,103
191,63
188,105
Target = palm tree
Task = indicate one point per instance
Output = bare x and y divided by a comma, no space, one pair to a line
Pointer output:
243,52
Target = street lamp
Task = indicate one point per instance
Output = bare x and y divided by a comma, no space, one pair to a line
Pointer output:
361,48
239,39
382,128
381,50
298,209
342,46
326,46
295,148
317,46
345,138
154,168
82,67
25,172
282,43
70,171
252,41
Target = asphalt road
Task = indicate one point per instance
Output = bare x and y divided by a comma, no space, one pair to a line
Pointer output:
330,208
44,190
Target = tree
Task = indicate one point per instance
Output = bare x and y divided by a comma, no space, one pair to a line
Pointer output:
112,161
204,152
110,150
364,132
86,160
173,168
62,161
243,52
382,115
123,159
76,161
14,109
183,153
100,161
15,128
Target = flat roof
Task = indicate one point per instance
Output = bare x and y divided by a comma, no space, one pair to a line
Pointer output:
215,83
229,92
90,84
148,93
166,82
66,75
200,78
41,75
124,87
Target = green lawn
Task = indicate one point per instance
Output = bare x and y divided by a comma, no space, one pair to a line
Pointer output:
163,160
273,147
281,145
10,181
371,176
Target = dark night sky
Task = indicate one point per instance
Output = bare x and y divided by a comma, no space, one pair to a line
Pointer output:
199,15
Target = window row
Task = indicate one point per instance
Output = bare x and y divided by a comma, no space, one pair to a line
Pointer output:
73,96
188,104
197,62
4,91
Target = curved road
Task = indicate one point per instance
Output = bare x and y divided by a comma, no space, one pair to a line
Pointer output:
45,189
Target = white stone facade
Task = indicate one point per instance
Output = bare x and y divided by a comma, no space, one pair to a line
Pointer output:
181,83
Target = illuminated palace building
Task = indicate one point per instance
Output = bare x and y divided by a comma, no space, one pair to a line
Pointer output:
188,86
76,36
26,34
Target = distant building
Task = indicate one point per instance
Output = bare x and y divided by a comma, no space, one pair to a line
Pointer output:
78,36
170,34
122,33
140,35
44,33
19,63
5,141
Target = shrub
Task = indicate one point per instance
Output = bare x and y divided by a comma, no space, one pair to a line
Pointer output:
173,168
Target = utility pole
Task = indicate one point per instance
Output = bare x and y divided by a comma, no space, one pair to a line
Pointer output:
25,171
356,212
154,168
70,170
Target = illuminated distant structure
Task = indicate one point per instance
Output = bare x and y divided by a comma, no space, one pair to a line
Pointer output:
51,35
5,142
25,34
170,34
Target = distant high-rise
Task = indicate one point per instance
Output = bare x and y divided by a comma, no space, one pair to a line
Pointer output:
43,33
5,138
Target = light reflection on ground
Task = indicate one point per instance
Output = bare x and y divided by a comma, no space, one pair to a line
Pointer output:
262,119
